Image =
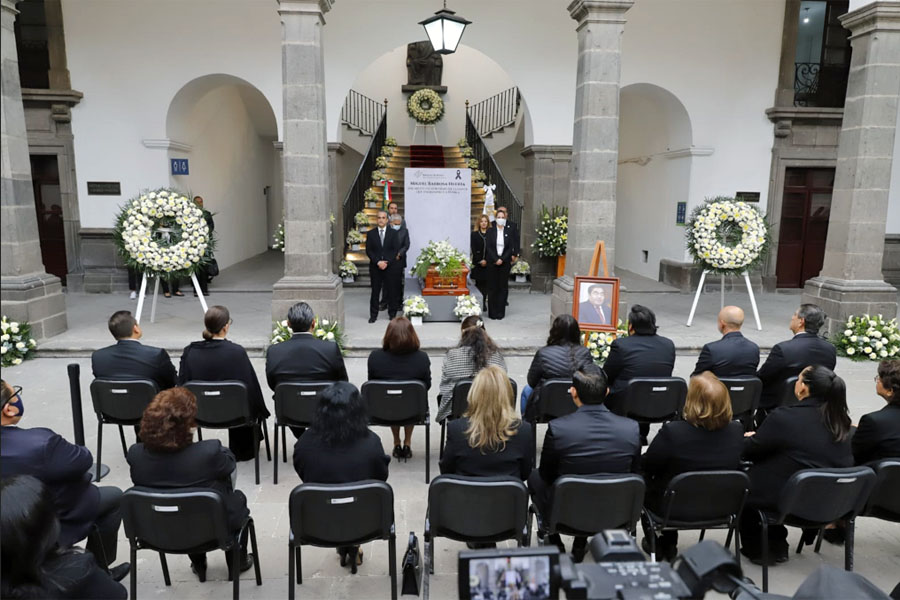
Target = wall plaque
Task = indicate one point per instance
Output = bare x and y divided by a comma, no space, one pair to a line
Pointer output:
746,196
104,188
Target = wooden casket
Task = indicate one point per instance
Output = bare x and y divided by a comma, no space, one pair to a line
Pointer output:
454,285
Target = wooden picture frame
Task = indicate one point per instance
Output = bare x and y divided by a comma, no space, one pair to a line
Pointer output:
590,318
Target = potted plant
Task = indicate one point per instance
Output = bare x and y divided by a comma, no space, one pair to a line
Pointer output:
477,176
377,175
17,343
354,239
414,308
348,271
467,306
361,220
381,162
472,163
521,270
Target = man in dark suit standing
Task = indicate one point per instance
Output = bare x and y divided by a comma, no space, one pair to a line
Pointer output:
403,235
733,355
501,252
590,441
65,469
395,219
128,358
382,248
788,358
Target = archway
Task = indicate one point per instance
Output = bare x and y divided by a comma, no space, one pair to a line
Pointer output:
653,177
226,128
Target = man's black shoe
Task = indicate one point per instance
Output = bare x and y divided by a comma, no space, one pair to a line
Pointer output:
579,548
119,572
382,306
372,319
836,535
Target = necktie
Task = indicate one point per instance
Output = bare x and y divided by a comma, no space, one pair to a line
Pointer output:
381,235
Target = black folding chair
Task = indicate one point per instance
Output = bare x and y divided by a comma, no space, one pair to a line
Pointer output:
399,403
341,514
787,391
745,393
184,521
295,406
655,399
459,403
702,500
884,501
474,509
615,503
226,405
813,498
119,403
553,400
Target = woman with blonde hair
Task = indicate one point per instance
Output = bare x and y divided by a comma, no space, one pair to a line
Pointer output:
489,439
706,440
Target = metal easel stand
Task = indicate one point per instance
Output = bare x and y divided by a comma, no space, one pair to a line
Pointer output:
722,296
425,127
142,294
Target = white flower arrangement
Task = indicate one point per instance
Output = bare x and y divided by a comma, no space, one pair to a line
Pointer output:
329,330
726,236
478,175
868,337
348,269
381,162
520,268
599,342
466,151
467,306
163,232
16,343
472,163
278,237
372,195
415,306
387,151
552,233
361,218
447,260
425,106
355,237
390,141
377,175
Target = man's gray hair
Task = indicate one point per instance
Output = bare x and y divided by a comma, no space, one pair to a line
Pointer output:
300,317
397,217
813,317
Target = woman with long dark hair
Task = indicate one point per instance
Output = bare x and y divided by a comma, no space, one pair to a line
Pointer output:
478,245
32,564
562,356
167,457
216,358
340,448
475,351
812,434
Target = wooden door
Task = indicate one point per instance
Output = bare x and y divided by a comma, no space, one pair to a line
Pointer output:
805,209
48,206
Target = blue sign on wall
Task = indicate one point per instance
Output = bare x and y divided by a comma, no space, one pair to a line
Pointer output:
179,166
680,213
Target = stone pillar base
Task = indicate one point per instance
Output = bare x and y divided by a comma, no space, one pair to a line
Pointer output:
324,293
561,299
38,299
841,298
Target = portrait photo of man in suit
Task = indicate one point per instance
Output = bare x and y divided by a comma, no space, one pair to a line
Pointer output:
596,302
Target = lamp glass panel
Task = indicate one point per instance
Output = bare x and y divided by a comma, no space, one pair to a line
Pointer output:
435,34
452,32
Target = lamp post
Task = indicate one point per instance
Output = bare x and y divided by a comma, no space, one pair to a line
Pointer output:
444,30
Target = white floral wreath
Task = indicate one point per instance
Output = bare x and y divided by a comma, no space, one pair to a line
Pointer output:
163,232
715,223
425,106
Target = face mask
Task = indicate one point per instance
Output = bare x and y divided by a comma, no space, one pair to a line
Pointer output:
501,222
17,403
396,227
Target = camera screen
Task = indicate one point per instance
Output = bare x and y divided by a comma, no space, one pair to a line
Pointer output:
509,578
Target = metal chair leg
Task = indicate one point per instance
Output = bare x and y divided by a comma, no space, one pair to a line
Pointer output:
236,571
124,444
284,443
702,533
297,556
427,452
443,432
737,544
133,582
765,552
199,434
99,448
265,428
275,474
392,566
819,539
290,572
256,452
253,547
165,568
848,544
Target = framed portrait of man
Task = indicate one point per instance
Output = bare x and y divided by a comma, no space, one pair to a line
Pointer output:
596,305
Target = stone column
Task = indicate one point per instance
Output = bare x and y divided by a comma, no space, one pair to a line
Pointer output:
595,142
27,291
851,281
547,170
308,273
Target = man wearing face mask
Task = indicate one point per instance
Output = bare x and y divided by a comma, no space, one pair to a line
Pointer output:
403,235
501,252
64,469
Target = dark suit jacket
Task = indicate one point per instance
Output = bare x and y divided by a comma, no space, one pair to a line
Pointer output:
386,366
878,435
588,314
732,356
221,360
514,460
204,464
790,357
130,359
388,252
403,241
62,467
790,439
304,358
680,447
316,462
72,575
510,245
636,356
590,441
478,246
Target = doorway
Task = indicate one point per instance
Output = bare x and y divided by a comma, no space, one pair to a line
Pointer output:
805,209
48,207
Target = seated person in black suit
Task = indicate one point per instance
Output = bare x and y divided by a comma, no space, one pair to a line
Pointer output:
561,357
878,433
399,358
590,441
788,358
218,359
33,564
340,448
489,439
642,354
65,469
168,458
706,440
812,434
128,358
733,355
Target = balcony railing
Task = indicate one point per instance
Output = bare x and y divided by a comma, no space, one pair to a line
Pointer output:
362,113
817,84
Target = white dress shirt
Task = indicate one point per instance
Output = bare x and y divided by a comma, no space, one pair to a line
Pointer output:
500,241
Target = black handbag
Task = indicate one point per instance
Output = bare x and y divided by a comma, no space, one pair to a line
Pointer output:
212,267
411,567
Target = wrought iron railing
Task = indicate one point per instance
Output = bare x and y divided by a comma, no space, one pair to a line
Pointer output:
362,113
806,82
823,85
355,199
495,113
503,195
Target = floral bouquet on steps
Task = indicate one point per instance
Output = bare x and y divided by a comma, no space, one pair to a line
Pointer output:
467,306
415,306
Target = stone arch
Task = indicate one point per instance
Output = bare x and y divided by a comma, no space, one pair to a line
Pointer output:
226,127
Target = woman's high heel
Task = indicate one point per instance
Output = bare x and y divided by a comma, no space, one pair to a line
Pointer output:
358,561
407,453
398,452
